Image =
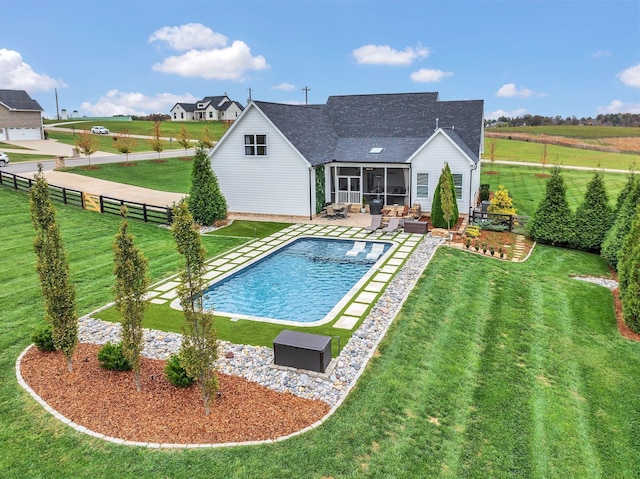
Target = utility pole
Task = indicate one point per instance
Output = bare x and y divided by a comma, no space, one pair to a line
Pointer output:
57,110
249,99
306,91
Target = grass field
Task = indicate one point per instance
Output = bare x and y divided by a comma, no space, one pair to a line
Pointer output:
530,152
492,369
139,127
527,188
575,131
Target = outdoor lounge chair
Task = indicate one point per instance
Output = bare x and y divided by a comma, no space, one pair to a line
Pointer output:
392,227
376,251
376,220
358,247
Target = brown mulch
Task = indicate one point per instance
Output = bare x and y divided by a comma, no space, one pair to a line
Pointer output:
625,331
124,163
107,402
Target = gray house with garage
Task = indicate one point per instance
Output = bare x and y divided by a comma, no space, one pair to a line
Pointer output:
20,116
289,160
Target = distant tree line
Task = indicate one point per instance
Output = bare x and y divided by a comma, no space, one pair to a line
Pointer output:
604,119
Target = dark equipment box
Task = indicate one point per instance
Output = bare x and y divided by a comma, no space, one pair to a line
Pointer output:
302,350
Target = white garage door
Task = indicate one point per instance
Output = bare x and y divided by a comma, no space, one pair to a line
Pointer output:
3,134
17,134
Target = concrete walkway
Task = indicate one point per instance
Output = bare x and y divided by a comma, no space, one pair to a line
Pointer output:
120,191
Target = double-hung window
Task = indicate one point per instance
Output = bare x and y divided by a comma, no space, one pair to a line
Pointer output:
255,145
422,185
457,183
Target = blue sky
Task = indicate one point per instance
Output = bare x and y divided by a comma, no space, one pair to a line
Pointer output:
560,57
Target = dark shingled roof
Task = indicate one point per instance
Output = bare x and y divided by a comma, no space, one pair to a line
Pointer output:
18,100
347,127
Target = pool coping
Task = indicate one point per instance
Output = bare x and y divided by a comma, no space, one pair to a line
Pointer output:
408,288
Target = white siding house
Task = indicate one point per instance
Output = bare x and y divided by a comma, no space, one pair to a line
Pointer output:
273,180
354,148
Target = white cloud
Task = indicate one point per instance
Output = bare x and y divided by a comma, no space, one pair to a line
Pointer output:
116,102
284,87
601,53
385,55
617,106
494,115
186,37
425,75
229,63
509,90
631,76
15,74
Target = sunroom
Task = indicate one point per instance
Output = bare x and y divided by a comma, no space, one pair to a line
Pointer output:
361,183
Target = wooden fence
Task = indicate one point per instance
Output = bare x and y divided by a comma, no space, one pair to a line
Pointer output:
495,218
101,204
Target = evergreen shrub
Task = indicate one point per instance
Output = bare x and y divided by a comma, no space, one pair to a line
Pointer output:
111,357
43,339
176,374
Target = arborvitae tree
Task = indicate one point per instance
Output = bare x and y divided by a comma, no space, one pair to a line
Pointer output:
53,269
502,202
594,216
629,275
612,244
628,186
437,215
553,222
206,202
447,199
199,349
129,291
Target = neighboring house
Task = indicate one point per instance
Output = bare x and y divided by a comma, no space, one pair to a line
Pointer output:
209,108
279,159
20,116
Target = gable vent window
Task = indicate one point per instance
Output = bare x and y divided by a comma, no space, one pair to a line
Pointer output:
376,151
255,145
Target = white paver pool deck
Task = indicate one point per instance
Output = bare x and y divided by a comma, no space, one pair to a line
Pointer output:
353,308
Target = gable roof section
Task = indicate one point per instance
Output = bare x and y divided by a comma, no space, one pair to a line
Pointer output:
347,127
18,100
307,127
190,107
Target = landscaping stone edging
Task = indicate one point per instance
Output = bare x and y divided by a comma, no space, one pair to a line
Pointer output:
349,366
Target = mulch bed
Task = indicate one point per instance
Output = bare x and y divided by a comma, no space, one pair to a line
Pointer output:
625,330
107,402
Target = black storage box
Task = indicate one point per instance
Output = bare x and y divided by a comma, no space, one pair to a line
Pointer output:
302,350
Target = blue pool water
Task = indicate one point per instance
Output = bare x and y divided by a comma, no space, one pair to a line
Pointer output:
300,282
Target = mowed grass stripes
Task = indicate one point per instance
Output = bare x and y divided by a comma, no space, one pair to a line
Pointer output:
492,369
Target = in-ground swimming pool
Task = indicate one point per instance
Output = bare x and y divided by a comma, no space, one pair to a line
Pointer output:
301,282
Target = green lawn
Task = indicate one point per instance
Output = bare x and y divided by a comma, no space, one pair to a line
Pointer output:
529,152
170,174
527,189
492,369
107,143
141,127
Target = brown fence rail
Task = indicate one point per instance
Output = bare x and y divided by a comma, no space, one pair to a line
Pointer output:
68,196
495,218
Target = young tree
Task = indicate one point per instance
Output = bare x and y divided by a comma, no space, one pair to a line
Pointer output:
437,215
552,222
502,202
612,244
53,269
594,216
87,143
129,290
207,139
493,145
199,349
125,143
156,141
629,275
184,139
545,153
206,202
